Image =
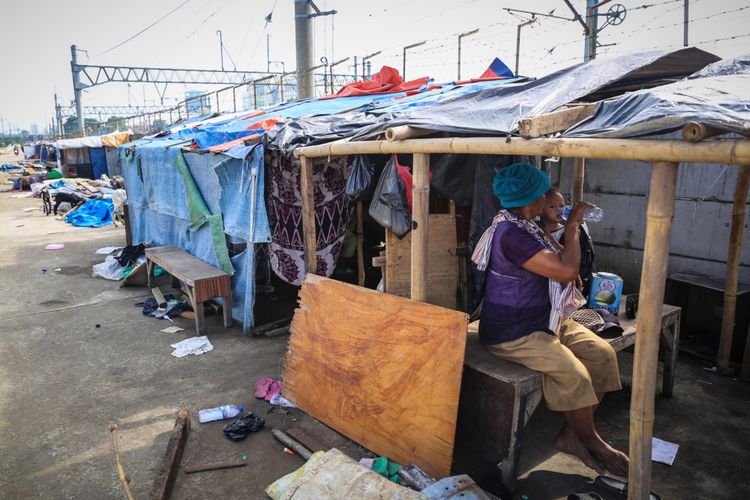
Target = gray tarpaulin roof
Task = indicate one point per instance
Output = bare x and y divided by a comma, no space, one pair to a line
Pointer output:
497,110
718,96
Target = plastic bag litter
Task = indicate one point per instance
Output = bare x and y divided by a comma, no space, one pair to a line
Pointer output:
109,269
360,177
237,430
388,206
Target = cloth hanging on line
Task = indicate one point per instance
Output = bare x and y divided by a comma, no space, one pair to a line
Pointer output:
332,212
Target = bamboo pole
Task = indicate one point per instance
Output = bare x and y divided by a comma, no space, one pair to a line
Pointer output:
654,272
733,268
731,151
308,215
405,132
121,475
420,226
360,245
696,132
579,173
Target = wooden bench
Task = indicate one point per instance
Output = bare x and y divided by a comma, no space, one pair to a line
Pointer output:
199,281
498,398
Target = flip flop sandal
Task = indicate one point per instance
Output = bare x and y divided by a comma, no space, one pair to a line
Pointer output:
274,389
617,486
262,386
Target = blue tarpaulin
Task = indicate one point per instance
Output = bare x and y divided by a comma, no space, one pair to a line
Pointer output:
229,186
98,162
93,213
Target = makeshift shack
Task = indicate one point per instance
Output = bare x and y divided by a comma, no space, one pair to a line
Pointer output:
91,156
655,111
189,187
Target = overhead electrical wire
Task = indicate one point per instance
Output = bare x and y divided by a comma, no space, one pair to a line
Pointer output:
144,29
262,32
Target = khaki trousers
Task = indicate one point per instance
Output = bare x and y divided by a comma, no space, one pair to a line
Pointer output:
575,365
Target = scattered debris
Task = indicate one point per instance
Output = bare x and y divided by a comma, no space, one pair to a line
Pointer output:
238,430
193,345
663,452
219,413
292,444
172,329
279,400
55,246
107,250
191,469
124,478
162,488
332,474
288,451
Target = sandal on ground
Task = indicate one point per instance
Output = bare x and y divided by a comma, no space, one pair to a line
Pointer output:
618,486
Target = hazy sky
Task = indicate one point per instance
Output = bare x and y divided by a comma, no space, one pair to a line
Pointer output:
36,36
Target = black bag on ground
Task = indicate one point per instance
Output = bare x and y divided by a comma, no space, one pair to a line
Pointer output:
388,206
237,430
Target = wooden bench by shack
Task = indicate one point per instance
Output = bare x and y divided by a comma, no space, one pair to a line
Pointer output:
200,281
498,398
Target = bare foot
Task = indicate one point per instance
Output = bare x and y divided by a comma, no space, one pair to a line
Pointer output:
614,460
569,442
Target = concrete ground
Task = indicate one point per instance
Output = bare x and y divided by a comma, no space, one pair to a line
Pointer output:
76,356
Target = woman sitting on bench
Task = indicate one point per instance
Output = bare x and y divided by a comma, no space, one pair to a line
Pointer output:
530,291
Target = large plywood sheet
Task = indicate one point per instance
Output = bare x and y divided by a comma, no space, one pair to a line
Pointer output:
383,370
442,268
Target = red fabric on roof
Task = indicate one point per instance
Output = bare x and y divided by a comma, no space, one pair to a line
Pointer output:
386,80
266,124
220,148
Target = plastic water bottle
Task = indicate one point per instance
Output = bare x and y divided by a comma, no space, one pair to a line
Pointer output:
220,413
593,214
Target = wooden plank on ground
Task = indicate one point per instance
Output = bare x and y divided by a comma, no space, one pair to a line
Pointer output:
442,263
557,121
170,464
383,370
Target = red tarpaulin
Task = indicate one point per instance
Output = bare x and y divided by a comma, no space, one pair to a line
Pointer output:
387,80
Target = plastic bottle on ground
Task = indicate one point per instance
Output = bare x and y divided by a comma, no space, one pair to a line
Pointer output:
220,413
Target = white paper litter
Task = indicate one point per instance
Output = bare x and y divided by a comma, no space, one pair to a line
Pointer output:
663,451
107,250
172,329
278,399
193,345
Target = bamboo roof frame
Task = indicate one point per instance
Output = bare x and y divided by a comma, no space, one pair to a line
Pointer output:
665,156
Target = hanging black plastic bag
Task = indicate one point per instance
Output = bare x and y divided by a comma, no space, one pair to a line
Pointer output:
237,430
360,177
388,205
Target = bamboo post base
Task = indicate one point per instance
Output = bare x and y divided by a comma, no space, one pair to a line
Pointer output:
654,273
733,268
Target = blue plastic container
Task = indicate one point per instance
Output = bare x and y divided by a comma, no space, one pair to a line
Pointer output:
606,292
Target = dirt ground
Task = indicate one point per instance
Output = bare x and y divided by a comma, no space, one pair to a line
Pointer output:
76,356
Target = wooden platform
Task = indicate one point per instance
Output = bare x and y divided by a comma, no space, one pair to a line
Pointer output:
200,281
498,398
